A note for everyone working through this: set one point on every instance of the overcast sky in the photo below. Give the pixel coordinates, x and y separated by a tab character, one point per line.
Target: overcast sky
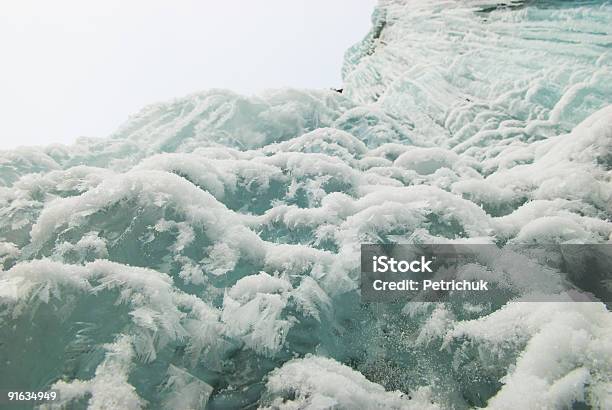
79	68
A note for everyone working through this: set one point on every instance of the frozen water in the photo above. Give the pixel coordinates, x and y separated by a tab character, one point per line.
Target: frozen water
207	253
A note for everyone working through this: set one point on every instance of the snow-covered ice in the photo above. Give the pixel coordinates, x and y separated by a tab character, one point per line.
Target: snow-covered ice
207	253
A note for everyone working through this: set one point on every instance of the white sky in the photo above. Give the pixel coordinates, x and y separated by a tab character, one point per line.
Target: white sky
79	68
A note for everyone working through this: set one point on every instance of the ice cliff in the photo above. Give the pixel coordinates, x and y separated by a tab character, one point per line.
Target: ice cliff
207	253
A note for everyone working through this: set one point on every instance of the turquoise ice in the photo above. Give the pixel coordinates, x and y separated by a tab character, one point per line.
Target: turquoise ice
207	253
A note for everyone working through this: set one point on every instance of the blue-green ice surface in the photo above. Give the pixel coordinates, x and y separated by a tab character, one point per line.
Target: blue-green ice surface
206	255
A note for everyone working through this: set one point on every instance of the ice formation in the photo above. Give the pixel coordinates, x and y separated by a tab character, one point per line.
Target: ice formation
207	253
